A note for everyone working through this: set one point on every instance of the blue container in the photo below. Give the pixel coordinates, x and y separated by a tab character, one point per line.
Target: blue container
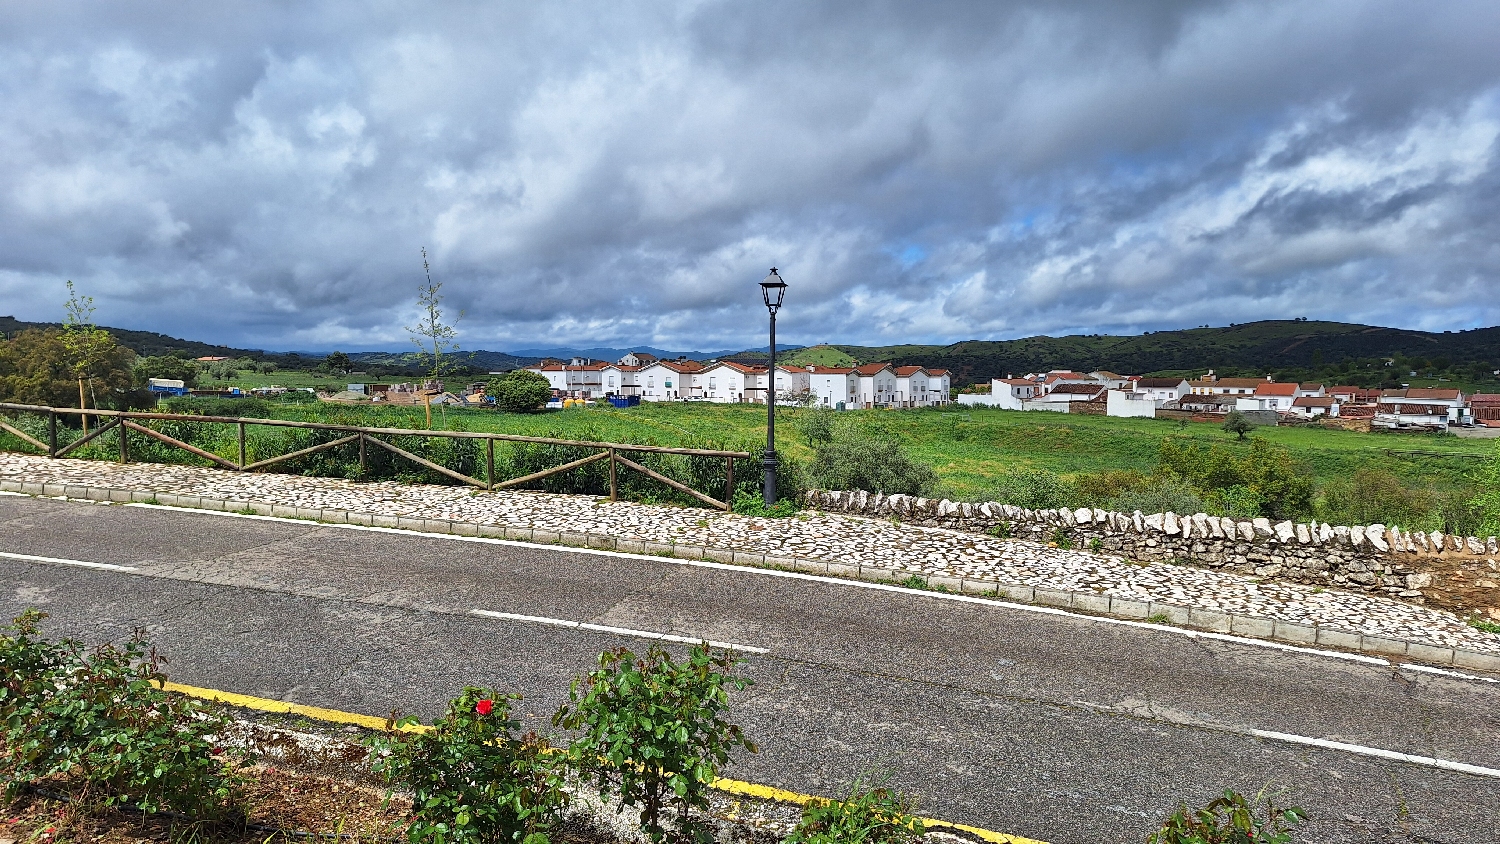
625	401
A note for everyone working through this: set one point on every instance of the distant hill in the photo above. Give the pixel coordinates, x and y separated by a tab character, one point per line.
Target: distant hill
145	343
1261	346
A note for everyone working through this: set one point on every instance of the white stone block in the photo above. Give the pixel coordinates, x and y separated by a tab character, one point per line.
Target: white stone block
1375	535
1475	546
1083	516
1285	532
1262	526
1356	535
1325	533
1247	531
1155	521
1216	527
1303	536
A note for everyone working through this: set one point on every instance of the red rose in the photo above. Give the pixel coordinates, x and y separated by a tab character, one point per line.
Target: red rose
484	707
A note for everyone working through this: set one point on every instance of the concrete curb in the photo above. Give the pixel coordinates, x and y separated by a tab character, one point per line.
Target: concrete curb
1082	602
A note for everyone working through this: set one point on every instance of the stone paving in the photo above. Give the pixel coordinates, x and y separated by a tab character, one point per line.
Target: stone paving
834	538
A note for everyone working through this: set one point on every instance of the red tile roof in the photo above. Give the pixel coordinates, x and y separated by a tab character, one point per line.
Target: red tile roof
1273	389
871	368
830	370
1313	401
907	371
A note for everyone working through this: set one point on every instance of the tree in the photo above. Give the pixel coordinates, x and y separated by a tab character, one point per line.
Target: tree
89	347
816	426
338	362
171	368
433	337
1236	423
34	369
520	391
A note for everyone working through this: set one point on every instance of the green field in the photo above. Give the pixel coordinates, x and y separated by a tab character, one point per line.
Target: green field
970	449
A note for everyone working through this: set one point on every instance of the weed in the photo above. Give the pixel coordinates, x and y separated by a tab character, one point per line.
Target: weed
1159	618
152	500
245	511
1000	531
1096	544
1061	539
915	582
701	523
869	814
1486	626
1230	819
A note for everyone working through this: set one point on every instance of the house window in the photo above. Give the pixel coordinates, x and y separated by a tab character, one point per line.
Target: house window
611	380
713	383
650	380
667	383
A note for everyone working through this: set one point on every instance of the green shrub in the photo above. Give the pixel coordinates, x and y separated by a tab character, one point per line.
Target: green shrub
99	717
1487	500
520	391
866	816
877	464
1162	494
1036	489
1229	819
1061	539
816	426
754	504
654	731
1098	489
473	780
1283	488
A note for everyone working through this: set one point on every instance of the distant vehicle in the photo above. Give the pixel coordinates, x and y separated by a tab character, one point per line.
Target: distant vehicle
167	387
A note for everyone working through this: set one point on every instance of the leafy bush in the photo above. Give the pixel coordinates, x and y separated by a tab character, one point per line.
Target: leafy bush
1160	495
1229	819
1283	488
877	464
867	816
1098	489
1487	499
473	780
754	504
654	731
100	716
520	391
1036	489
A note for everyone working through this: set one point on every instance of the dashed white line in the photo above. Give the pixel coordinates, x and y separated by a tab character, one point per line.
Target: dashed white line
32	558
619	631
1428	761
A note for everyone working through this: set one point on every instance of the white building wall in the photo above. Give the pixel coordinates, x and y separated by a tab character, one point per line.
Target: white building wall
1126	404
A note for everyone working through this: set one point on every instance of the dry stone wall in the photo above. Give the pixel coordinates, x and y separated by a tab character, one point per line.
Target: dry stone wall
1370	558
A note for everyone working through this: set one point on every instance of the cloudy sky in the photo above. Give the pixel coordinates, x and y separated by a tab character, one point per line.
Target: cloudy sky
625	173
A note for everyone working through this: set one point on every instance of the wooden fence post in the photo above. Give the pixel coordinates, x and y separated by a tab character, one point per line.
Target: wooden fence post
489	463
362	470
729	481
52	434
124	441
614	492
242	446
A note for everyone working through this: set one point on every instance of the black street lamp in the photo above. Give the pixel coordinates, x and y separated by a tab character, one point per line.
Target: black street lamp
772	291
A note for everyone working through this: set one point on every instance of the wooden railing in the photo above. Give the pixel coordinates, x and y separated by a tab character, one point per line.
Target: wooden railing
127	422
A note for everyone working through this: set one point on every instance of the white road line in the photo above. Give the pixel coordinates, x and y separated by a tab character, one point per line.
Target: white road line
1428	761
621	631
1427	669
815	578
31	558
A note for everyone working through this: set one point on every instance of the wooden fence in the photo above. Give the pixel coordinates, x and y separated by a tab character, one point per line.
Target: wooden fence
127	422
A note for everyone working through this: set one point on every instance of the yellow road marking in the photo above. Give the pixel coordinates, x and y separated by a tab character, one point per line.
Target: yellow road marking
728	786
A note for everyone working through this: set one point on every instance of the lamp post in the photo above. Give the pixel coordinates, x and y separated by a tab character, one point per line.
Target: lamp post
772	291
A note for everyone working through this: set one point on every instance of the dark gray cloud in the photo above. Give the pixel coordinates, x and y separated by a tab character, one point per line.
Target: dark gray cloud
616	173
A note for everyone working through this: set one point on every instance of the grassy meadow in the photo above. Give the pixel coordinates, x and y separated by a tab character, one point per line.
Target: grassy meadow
969	449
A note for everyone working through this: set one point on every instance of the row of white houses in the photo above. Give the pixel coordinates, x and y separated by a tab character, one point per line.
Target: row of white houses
871	385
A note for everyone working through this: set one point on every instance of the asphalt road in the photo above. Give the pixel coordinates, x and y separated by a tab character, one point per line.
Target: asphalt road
1056	727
